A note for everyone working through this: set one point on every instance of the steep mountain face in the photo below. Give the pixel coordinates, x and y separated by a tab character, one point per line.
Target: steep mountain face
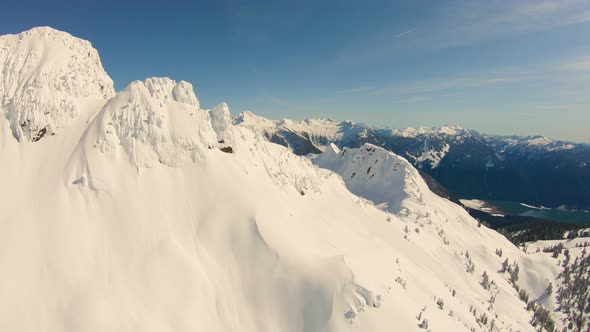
46	75
136	216
534	170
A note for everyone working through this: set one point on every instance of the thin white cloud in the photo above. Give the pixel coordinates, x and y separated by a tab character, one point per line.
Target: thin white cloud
496	80
561	107
579	64
436	85
532	9
582	16
404	33
466	22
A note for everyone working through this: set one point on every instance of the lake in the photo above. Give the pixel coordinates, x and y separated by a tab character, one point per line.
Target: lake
518	209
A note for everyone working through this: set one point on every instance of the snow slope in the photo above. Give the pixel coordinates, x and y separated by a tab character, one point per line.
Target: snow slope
45	73
395	186
136	218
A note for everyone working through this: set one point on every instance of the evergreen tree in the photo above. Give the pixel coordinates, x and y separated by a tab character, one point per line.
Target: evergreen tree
514	273
485	280
504	265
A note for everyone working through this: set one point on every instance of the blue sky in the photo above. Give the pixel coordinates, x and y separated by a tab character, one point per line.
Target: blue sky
506	67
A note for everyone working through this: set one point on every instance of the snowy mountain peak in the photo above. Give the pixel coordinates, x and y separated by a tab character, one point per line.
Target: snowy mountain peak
44	73
376	174
44	30
249	118
155	120
539	140
183	93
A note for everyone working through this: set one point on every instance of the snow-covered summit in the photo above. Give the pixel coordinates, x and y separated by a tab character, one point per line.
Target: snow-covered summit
249	119
45	72
155	121
539	140
376	174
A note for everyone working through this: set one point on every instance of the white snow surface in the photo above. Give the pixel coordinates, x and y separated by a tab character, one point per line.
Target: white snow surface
375	174
222	123
45	73
132	219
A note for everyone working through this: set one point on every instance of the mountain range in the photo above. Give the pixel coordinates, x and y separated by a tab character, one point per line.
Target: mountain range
533	169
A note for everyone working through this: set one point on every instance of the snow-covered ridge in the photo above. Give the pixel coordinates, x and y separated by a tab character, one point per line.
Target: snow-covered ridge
250	120
305	136
317	127
155	121
533	143
449	130
376	174
44	74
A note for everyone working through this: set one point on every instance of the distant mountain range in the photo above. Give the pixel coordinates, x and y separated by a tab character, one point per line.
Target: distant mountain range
531	169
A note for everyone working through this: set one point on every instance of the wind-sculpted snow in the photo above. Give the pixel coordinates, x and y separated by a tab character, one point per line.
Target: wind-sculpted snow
222	123
155	121
182	92
44	74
